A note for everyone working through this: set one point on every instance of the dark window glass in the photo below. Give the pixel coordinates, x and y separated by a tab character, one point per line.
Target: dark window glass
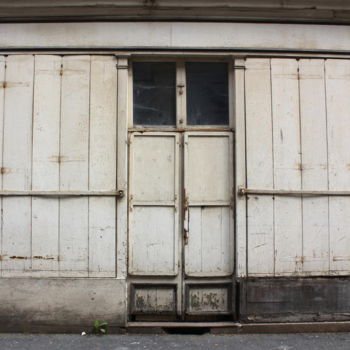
207	93
154	93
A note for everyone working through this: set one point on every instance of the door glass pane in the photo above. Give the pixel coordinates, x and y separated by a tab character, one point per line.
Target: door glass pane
154	93
207	93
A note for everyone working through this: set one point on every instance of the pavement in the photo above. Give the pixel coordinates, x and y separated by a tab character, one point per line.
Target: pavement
329	341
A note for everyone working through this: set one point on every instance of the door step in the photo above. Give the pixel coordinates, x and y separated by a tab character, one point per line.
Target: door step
182	324
242	328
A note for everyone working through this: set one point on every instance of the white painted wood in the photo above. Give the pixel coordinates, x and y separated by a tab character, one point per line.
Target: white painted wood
208	182
304	243
74	154
314	165
287	165
122	166
153	202
208	157
102	166
153	169
152	236
17	159
338	121
181	94
240	169
2	107
210	249
46	144
259	166
175	35
301	224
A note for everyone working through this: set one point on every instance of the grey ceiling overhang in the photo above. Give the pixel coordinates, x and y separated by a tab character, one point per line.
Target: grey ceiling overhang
297	11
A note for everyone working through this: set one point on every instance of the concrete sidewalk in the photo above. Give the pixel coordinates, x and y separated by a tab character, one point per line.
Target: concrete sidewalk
323	341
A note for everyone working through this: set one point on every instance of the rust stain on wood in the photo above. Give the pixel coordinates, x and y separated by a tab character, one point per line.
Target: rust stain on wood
36	257
299	259
47	257
6	84
57	159
341	258
4	170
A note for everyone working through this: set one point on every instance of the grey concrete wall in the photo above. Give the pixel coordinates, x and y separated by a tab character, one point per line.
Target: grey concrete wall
175	35
65	303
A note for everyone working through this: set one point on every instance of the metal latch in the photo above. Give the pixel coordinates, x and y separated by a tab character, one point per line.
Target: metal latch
186	219
181	88
117	194
186	236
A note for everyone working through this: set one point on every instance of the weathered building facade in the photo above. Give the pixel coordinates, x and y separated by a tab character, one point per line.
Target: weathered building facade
170	162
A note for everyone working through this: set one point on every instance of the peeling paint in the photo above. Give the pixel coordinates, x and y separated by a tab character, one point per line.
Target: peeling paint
195	301
47	257
57	159
15	84
300	166
140	303
3	257
208	300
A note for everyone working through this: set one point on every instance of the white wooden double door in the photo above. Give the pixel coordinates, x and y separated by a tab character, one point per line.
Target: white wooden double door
181	253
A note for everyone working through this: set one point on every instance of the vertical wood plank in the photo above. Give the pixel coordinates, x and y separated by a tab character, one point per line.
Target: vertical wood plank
2	107
46	140
195	247
259	167
287	165
207	254
240	170
338	121
17	158
314	165
103	158
122	166
74	167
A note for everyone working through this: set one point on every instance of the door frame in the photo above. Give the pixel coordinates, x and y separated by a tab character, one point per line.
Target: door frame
181	128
